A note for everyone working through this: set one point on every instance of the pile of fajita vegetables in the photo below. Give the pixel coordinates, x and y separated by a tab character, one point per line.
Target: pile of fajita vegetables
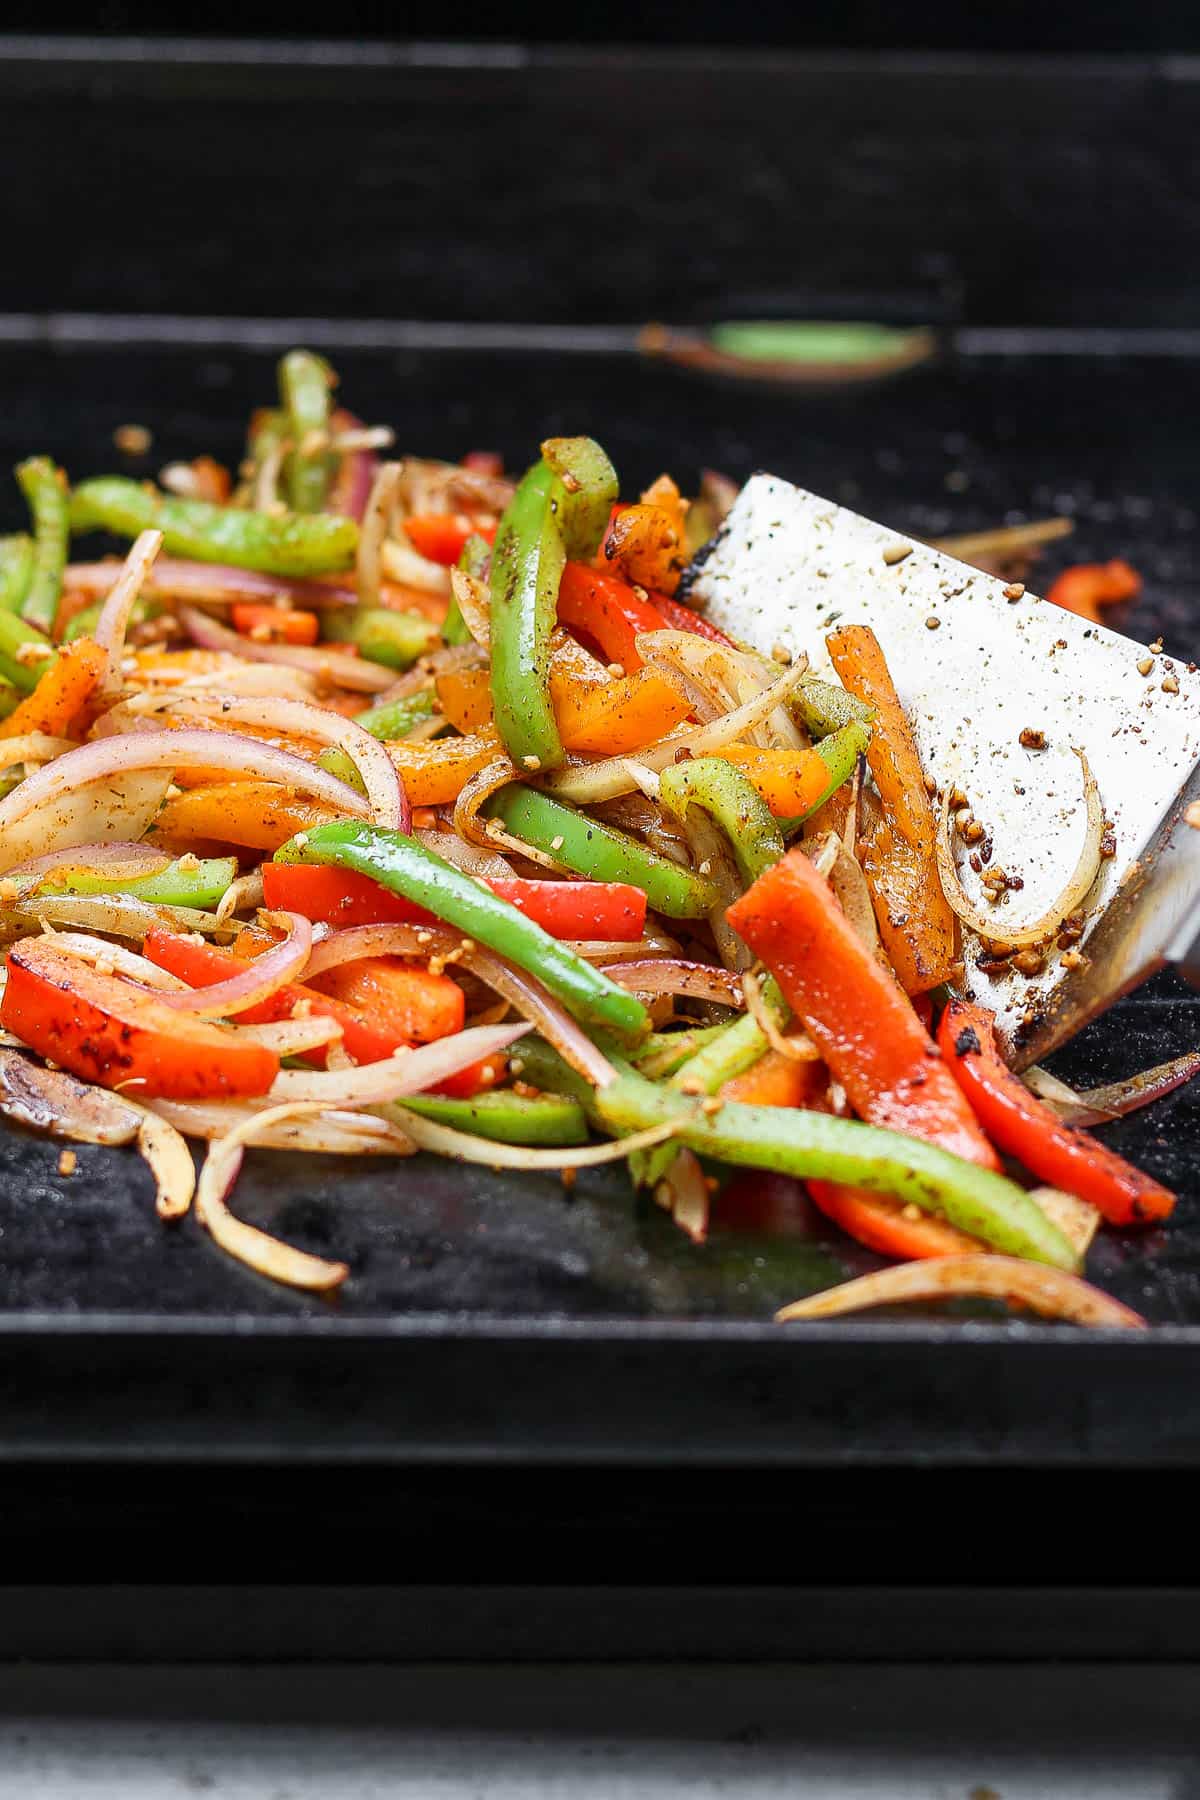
375	806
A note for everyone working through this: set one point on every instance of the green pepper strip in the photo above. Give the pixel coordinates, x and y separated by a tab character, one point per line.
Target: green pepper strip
591	487
528	559
404	866
600	852
176	885
16	570
16	636
10	699
839	752
389	722
506	1117
743	815
825	708
304	384
381	634
287	544
475	558
45	489
818	1146
665	1051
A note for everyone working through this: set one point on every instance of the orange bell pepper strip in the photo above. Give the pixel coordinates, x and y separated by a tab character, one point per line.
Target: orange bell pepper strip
1057	1153
257	815
109	1031
436	772
268	624
646	544
465	697
918	928
776	1080
862	1023
607	611
1085	587
62	692
790	781
439	537
618	716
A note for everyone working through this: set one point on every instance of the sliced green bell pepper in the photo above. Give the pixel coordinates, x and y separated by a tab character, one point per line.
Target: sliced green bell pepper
274	544
16	570
381	634
508	1118
45	489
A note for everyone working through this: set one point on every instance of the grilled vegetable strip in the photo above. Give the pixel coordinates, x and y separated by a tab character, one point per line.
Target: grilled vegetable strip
816	1145
506	1117
189	881
16	570
527	566
724	792
45	489
287	544
67	683
608	611
404	866
794	783
1060	1154
304	385
824	708
25	652
590	484
864	1027
473	561
600	852
383	635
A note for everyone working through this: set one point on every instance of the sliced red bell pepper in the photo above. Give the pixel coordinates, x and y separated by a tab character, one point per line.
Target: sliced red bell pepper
1057	1153
275	624
422	1006
606	610
106	1030
1085	587
484	462
685	618
610	910
867	1032
888	1226
439	537
364	1038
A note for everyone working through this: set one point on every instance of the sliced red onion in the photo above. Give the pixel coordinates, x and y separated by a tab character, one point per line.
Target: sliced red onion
1051	1292
291	1037
114	614
170	1162
388	800
264	977
279	1262
114	959
212	584
32	747
409	1073
51	1100
356	473
337	667
376	519
671	975
176	750
533	1001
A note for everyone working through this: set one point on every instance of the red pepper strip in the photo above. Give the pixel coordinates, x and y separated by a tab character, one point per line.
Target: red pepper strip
484	462
867	1032
883	1224
1086	587
1057	1153
683	618
612	910
108	1031
439	537
275	624
420	1005
364	1037
608	611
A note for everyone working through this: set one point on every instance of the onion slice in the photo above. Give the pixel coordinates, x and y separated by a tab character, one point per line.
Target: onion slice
336	667
587	783
464	1146
113	622
673	975
799	1047
32	747
170	1162
1072	897
475	605
114	959
409	1073
53	1101
115	862
175	750
113	913
265	975
683	1192
328	1132
266	1255
298	718
1051	1292
291	1037
376	517
1096	1106
211	584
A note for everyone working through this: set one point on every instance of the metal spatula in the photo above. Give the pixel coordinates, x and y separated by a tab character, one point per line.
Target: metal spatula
977	663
